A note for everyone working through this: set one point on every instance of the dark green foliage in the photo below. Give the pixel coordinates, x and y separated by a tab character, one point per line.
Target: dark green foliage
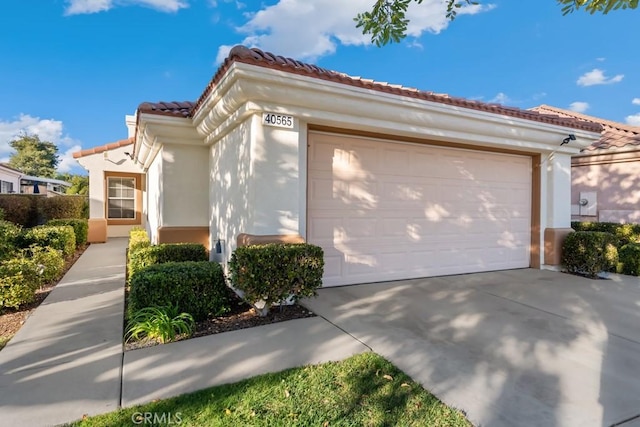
9	232
59	237
167	252
19	280
21	209
197	288
274	272
629	256
589	253
80	228
624	233
61	207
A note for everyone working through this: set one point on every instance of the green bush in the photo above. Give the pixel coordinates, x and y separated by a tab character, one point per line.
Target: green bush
138	238
59	207
624	233
59	237
197	288
274	272
629	256
20	208
1	214
50	261
589	253
80	228
166	252
18	282
9	232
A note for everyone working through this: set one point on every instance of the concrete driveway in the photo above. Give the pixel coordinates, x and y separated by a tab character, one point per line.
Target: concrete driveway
510	348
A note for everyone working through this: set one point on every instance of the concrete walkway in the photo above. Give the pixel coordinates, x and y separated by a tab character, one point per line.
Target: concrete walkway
510	348
67	360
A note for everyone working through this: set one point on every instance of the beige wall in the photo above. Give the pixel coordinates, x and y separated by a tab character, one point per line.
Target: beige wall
616	180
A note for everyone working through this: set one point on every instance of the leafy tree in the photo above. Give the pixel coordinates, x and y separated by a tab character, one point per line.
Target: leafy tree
386	22
34	157
79	183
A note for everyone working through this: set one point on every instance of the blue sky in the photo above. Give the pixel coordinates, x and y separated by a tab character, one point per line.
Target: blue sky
70	70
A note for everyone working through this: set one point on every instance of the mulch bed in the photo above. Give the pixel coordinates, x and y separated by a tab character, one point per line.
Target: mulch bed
241	316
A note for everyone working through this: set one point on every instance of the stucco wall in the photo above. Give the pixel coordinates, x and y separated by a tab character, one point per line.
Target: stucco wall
185	175
154	198
12	177
617	186
230	189
112	161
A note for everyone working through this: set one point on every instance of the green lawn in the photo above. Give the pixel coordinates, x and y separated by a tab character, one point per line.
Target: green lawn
364	390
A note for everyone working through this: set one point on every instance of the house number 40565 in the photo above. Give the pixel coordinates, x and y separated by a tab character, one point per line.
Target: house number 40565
277	120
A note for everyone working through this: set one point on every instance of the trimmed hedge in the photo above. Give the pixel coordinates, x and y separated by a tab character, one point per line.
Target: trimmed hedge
589	253
21	209
61	207
275	272
59	237
50	261
18	282
9	232
629	256
624	233
138	238
197	288
167	252
80	228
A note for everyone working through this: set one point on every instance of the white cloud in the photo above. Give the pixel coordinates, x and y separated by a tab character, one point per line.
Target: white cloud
597	77
633	120
579	106
328	23
77	7
635	101
500	98
47	129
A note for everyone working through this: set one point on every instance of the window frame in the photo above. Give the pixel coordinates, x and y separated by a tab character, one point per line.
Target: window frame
133	198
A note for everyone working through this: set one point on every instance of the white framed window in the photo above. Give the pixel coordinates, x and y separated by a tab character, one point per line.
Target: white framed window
6	187
121	192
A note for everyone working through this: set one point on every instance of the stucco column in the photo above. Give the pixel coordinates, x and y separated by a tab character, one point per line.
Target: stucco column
558	218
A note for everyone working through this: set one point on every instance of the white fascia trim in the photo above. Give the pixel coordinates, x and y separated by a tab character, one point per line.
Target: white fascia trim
329	103
154	130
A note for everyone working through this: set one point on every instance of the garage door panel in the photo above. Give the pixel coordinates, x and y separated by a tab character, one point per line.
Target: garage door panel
385	210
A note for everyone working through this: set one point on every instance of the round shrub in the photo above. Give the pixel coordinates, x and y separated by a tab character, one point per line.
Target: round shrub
80	228
59	237
629	256
589	253
166	252
9	232
197	288
50	261
275	272
18	282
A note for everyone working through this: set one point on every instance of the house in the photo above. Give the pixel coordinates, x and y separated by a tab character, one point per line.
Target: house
605	176
38	185
9	179
392	182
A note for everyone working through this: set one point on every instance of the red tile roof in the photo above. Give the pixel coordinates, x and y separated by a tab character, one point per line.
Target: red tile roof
268	60
103	148
180	109
614	135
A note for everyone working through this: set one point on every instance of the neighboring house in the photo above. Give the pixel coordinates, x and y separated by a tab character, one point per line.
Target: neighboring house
391	182
9	179
39	185
605	175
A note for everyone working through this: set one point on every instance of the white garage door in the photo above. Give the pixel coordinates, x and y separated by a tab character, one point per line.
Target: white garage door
385	210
